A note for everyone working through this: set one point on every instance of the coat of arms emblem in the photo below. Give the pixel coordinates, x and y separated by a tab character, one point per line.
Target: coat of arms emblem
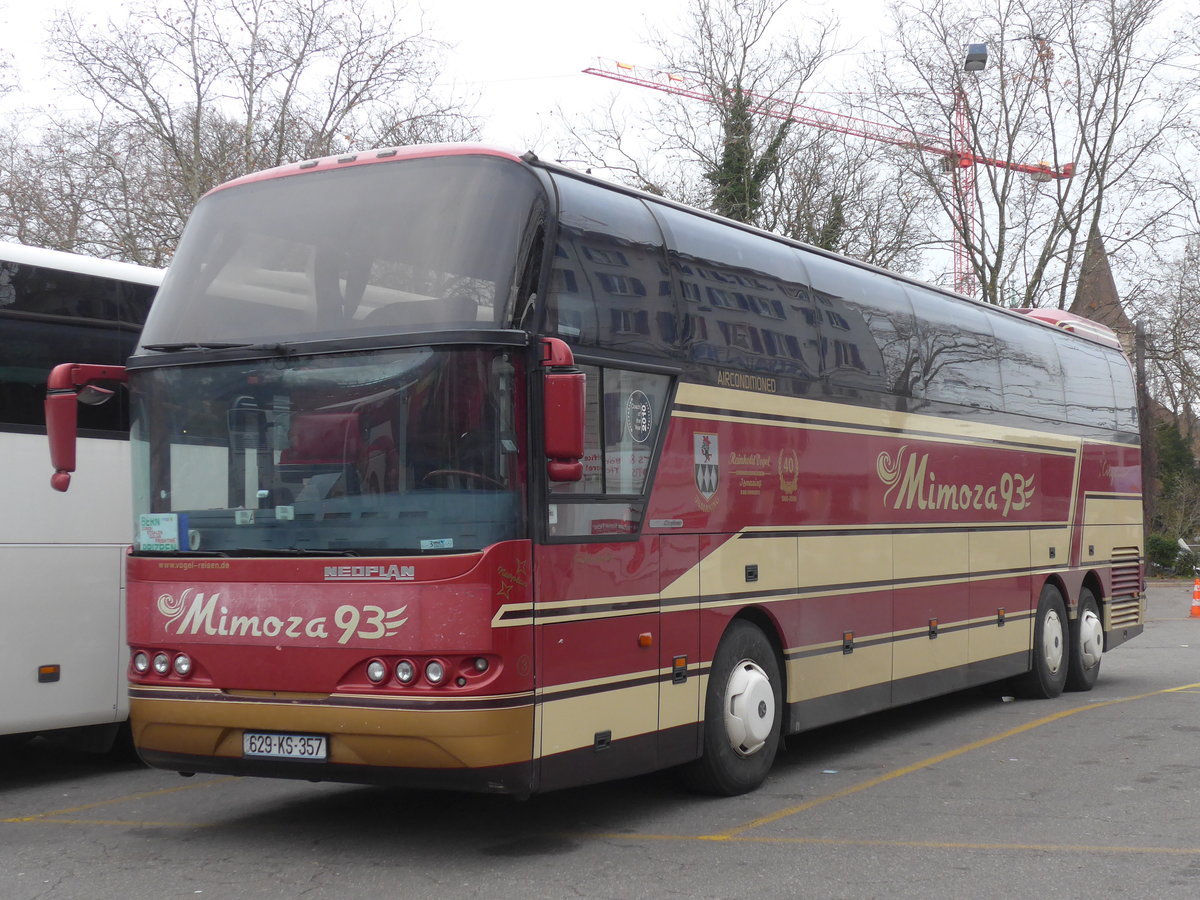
708	465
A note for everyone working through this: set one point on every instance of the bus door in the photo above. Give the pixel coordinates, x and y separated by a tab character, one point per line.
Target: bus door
597	589
680	685
597	621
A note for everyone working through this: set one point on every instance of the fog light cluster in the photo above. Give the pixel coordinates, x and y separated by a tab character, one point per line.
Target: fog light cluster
431	672
161	663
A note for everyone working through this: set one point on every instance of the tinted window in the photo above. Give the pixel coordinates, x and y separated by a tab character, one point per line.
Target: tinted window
388	451
608	284
49	317
390	247
745	299
868	336
1125	393
958	353
1087	383
1029	368
625	414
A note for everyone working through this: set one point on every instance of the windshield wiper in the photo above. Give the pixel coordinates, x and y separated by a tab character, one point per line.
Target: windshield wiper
193	345
289	551
181	553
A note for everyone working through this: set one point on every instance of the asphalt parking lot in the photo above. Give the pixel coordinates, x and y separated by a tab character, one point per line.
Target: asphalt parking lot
974	795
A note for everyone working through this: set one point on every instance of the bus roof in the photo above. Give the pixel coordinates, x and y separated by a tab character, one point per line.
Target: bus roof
76	262
1072	324
368	157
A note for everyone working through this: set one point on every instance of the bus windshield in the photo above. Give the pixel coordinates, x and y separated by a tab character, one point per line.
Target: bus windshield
354	251
391	452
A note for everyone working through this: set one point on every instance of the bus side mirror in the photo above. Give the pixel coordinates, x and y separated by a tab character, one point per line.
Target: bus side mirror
564	398
69	385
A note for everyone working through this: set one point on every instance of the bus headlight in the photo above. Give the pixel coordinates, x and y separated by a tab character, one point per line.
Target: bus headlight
183	665
405	671
162	664
481	664
376	671
141	663
434	672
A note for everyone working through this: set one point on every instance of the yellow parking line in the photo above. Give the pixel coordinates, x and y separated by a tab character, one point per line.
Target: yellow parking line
932	761
121	822
927	845
55	813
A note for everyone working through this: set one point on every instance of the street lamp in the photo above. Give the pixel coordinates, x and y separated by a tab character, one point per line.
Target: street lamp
976	59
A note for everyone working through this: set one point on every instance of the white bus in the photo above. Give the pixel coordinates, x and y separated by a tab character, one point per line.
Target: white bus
62	611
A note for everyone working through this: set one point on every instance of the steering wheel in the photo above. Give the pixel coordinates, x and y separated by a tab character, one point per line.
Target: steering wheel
463	473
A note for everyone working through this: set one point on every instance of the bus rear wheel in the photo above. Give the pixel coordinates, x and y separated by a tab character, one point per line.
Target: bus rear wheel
1048	676
1087	644
743	712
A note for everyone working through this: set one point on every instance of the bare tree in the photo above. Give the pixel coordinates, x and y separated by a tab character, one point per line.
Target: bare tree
731	50
1082	88
190	93
1169	312
768	170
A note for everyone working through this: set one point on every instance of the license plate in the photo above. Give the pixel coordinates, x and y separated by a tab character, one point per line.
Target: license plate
283	746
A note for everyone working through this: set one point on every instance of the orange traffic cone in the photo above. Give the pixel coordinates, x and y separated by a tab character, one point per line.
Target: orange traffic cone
1196	599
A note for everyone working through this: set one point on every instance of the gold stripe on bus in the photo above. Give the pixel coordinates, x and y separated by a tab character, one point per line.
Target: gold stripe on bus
1111	510
849	418
723	571
595	601
609	680
572	723
810	677
1073	508
880	560
919	657
987	640
1033	442
683	703
993	551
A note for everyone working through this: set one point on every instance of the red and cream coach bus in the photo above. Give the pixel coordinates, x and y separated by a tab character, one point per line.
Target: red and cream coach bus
455	468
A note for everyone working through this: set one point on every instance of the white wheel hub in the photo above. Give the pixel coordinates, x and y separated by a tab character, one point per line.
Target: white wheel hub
749	708
1091	639
1052	641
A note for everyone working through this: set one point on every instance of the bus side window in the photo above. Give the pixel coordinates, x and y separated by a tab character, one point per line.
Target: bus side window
868	335
745	304
51	316
1125	394
605	284
1030	370
1088	384
958	353
624	417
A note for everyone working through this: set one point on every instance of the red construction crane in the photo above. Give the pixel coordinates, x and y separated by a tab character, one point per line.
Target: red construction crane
957	157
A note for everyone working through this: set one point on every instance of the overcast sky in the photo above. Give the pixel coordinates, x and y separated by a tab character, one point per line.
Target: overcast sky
522	60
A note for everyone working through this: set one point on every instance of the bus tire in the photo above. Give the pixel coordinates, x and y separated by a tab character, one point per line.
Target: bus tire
743	712
1087	644
1051	639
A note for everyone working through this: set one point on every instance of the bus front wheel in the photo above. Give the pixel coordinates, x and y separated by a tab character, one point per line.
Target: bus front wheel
743	711
1051	653
1087	644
